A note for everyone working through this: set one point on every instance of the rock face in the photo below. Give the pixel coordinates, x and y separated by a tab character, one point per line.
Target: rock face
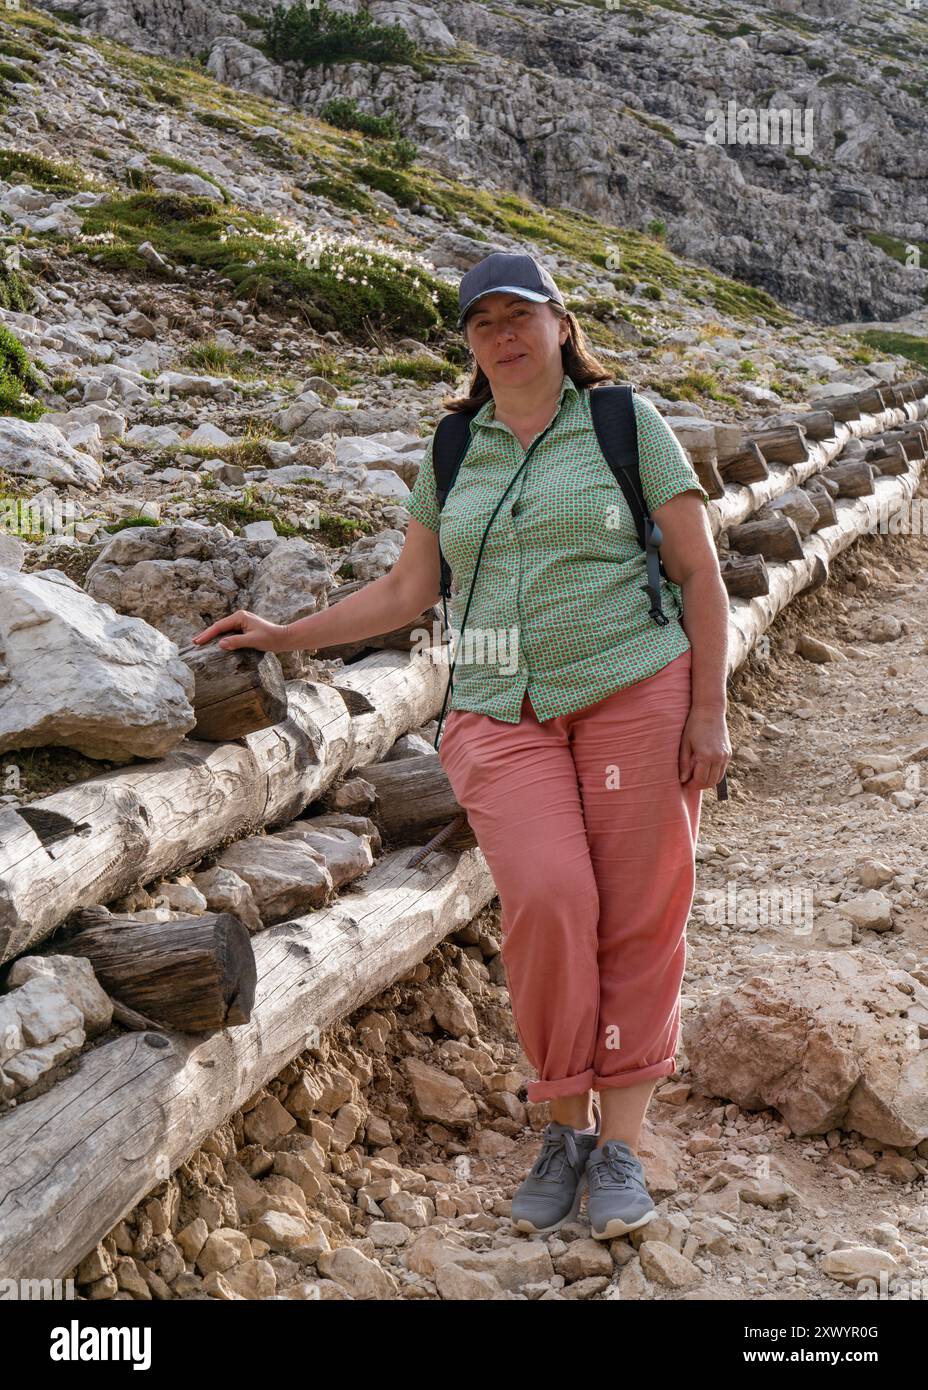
181	578
608	112
829	1040
75	672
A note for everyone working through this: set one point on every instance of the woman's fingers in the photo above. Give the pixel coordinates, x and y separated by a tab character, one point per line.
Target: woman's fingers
233	622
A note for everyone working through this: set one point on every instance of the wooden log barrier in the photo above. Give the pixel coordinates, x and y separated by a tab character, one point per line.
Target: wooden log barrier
75	1160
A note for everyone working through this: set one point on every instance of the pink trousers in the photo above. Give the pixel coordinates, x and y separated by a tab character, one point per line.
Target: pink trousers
590	837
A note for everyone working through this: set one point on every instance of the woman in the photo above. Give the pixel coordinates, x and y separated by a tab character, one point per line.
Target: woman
585	799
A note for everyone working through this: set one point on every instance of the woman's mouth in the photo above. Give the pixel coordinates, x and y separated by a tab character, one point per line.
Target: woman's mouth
516	357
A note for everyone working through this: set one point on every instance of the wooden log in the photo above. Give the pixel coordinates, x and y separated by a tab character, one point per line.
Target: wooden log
776	538
193	973
710	477
747	466
744	576
797	505
890	460
402	639
236	693
95	840
414	800
872	400
823	502
77	1159
819	576
843	408
784	444
817	424
854	477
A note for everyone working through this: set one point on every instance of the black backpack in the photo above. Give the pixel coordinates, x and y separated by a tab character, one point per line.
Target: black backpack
613	412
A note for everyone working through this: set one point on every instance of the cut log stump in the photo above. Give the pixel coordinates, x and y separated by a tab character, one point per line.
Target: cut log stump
191	974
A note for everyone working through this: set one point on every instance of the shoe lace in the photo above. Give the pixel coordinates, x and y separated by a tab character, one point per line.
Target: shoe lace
557	1144
615	1170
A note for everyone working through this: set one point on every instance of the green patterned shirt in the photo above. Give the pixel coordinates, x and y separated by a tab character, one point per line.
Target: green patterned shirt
557	608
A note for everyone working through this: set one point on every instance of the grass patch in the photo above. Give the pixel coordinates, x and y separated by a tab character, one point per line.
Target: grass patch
15	290
342	192
893	247
215	360
344	114
390	181
905	344
47	174
125	522
414	368
18	380
182	166
694	387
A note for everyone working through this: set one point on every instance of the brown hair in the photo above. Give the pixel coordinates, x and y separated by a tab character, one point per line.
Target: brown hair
579	364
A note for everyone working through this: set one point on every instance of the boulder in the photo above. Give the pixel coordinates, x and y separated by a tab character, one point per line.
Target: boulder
39	450
827	1038
132	697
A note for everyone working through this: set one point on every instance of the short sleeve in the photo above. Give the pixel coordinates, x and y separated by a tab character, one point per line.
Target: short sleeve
422	502
664	467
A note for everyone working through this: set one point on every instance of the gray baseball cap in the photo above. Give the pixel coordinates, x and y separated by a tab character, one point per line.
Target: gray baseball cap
504	270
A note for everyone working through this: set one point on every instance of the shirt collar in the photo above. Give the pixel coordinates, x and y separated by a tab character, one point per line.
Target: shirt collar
486	415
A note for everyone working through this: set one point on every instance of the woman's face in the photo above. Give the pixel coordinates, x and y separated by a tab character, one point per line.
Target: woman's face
514	340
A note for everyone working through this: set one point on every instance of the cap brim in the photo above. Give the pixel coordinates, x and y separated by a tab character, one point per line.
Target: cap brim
499	289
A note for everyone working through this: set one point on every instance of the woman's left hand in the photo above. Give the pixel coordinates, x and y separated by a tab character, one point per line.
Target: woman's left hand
705	750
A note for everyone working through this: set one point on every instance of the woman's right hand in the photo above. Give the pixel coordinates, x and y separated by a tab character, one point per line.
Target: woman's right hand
248	631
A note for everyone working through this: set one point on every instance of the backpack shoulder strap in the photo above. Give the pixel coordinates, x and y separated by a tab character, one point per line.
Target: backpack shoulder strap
452	437
613	412
451	442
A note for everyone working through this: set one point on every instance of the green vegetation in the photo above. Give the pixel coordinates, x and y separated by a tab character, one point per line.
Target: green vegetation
181	166
692	387
342	192
125	522
18	381
895	248
11	72
389	181
15	290
47	174
322	35
213	359
415	368
235	513
344	113
906	344
14	48
652	123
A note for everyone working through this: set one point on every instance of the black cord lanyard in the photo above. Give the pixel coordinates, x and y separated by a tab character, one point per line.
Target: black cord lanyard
528	454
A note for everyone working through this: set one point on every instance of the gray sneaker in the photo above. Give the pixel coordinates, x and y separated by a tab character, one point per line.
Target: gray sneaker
553	1190
619	1201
